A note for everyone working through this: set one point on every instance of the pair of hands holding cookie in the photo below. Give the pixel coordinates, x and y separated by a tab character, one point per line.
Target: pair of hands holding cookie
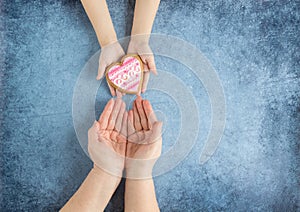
141	53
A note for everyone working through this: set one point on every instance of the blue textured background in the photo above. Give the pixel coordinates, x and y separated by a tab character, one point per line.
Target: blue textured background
253	45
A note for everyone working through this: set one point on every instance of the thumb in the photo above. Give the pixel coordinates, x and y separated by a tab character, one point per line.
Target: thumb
144	58
101	70
93	131
151	64
96	126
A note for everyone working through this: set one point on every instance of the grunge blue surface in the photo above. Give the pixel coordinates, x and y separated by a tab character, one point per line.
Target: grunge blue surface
254	47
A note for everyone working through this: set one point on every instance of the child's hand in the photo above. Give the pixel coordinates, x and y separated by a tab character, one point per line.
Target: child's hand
144	141
109	54
107	138
144	51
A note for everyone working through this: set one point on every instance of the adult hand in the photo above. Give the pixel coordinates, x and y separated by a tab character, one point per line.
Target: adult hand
107	138
109	54
141	47
144	141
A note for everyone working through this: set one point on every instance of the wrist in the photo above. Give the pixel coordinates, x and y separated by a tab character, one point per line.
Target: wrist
107	40
138	181
106	160
138	169
140	39
104	176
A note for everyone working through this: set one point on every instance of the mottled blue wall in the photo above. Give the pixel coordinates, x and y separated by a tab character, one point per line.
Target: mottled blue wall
254	47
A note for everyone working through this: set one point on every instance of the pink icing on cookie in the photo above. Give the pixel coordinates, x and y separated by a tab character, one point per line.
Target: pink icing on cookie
127	76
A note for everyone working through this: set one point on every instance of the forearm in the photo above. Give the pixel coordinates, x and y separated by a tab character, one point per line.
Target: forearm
140	195
144	15
94	193
99	16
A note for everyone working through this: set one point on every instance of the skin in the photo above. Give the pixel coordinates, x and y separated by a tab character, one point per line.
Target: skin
144	145
111	50
110	54
136	135
144	132
107	145
144	15
99	16
94	193
108	137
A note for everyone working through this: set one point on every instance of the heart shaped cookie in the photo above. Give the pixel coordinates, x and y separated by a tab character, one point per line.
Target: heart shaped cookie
127	75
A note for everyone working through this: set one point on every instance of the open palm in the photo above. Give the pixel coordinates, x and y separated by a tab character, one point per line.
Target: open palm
144	141
107	138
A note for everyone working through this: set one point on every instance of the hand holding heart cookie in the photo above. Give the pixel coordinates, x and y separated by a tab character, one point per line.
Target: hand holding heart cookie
127	75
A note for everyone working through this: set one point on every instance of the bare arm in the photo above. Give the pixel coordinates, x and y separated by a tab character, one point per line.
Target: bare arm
99	16
140	195
144	14
111	50
106	146
94	193
144	145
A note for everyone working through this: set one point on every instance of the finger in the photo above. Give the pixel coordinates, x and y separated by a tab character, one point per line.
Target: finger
114	114
103	120
101	70
144	58
123	131
146	72
151	64
151	117
119	94
141	113
130	125
112	89
139	92
145	67
113	136
119	120
136	119
145	81
122	136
